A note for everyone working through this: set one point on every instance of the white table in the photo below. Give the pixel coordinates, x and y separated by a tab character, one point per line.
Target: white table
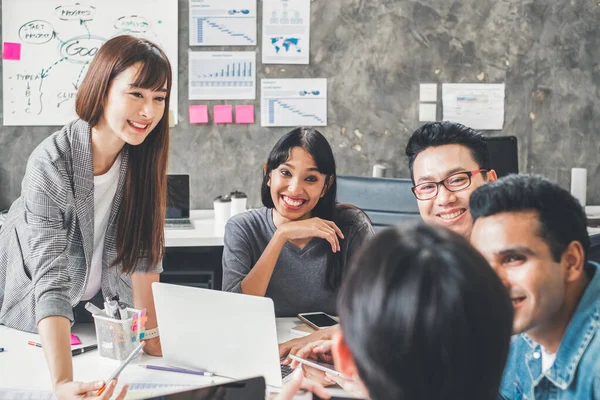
24	367
206	233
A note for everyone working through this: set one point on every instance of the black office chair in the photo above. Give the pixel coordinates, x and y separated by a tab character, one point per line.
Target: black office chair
385	200
594	252
504	154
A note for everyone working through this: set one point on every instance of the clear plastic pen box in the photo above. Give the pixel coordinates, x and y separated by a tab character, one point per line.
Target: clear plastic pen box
117	338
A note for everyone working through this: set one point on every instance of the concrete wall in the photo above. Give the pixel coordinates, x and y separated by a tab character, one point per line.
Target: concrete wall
374	54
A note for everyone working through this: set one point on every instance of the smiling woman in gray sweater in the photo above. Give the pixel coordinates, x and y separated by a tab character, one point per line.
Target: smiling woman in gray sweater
295	248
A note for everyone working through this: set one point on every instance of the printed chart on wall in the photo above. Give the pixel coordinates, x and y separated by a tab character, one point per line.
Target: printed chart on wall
477	105
293	102
286	32
51	43
222	75
222	22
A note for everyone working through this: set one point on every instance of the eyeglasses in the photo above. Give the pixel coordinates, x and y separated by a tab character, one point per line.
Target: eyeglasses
454	183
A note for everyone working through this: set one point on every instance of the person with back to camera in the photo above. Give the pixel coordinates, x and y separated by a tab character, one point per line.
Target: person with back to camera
295	248
422	316
90	220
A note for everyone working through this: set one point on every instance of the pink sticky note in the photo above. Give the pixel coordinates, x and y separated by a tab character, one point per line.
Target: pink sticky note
222	114
75	340
244	114
11	51
199	114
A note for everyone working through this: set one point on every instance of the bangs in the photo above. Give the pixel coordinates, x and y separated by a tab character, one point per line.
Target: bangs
282	155
319	152
154	73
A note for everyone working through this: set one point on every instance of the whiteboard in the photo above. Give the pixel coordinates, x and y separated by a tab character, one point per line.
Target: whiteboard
58	39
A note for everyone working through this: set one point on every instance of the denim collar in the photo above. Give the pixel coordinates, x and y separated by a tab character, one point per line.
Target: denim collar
582	327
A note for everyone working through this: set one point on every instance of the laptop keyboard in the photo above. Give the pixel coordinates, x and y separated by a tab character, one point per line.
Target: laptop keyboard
178	222
286	370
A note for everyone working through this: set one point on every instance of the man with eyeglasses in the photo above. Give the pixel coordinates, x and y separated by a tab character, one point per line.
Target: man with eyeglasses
447	162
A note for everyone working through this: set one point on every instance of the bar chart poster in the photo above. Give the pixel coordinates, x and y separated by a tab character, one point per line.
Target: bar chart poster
222	75
222	22
293	102
286	32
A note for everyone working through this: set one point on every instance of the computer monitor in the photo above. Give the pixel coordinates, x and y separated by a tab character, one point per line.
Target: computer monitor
504	154
178	196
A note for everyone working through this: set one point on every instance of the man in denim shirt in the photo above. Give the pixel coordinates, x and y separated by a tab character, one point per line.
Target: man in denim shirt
533	233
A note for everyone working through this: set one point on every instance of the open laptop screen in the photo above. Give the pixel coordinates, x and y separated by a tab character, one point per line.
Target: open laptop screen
178	196
504	154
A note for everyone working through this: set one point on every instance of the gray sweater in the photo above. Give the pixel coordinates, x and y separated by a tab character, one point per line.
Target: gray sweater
298	283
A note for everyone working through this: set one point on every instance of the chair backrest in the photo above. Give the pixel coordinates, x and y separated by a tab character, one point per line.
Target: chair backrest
504	154
594	252
385	200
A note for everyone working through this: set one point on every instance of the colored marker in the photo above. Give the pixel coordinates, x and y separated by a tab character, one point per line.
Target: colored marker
1	349
34	344
82	350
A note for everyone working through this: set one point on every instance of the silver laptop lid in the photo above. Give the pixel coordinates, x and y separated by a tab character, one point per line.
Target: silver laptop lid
229	334
178	196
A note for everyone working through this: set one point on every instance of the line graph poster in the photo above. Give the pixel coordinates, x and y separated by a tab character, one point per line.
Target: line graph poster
222	75
58	40
222	22
293	102
286	32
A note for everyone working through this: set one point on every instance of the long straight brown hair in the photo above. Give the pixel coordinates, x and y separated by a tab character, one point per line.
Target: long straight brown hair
141	218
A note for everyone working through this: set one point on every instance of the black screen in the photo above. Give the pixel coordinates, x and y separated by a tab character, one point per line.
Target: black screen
320	319
178	196
247	389
504	154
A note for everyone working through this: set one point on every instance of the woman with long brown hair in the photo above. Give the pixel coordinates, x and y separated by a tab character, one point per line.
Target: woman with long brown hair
89	222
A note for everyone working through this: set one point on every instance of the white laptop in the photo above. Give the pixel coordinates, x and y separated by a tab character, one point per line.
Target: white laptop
228	334
178	202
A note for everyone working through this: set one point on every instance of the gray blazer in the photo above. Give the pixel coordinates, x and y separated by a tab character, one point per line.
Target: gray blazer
47	239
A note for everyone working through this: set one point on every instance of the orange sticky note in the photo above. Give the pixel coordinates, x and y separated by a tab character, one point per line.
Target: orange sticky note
11	51
199	114
222	114
244	114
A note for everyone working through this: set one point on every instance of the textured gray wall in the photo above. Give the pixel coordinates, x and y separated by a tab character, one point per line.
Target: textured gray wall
375	53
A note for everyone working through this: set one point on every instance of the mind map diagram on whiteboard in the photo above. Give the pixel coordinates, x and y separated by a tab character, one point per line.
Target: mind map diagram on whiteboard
58	40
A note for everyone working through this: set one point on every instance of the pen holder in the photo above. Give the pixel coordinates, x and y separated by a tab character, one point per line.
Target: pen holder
118	337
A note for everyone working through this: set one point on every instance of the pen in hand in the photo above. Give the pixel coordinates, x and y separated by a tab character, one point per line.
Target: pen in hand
121	367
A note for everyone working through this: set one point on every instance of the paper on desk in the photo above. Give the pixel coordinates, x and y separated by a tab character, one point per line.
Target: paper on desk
476	105
8	394
136	391
139	394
